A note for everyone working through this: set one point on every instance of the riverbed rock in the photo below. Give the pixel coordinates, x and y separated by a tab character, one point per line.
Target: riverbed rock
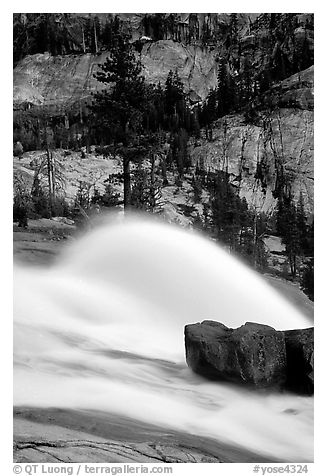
253	354
52	435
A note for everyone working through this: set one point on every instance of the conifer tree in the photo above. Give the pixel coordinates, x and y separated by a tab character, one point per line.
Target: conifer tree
288	230
225	90
174	97
119	108
302	227
307	274
39	198
234	27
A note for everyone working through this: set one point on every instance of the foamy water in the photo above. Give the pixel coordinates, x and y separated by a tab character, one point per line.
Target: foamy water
103	329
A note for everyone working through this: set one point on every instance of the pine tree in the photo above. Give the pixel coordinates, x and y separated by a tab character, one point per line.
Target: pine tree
154	117
228	218
110	198
302	227
308	272
22	201
226	90
39	199
224	208
234	27
179	151
174	99
288	230
119	109
212	106
294	230
141	190
195	124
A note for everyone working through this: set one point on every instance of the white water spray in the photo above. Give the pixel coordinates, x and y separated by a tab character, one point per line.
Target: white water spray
103	329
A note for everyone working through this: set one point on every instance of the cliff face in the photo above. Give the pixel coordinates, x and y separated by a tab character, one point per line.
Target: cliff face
261	47
265	46
197	66
252	152
60	81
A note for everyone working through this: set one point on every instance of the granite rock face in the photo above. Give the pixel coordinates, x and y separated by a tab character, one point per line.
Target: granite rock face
282	132
62	81
55	81
294	92
284	136
253	354
197	66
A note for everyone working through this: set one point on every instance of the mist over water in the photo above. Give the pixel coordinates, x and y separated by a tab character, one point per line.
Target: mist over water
103	330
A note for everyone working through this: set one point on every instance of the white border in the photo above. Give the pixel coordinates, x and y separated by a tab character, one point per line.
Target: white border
320	194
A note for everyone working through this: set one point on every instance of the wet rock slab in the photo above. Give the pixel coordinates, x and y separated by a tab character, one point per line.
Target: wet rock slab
70	436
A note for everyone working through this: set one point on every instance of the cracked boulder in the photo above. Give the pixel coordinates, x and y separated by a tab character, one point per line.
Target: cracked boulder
253	354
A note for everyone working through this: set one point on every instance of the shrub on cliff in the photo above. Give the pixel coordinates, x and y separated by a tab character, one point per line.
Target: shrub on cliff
18	149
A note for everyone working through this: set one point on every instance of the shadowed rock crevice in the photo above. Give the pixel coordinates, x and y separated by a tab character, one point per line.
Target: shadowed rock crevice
300	360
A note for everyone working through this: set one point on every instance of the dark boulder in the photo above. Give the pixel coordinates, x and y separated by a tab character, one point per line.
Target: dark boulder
300	365
252	354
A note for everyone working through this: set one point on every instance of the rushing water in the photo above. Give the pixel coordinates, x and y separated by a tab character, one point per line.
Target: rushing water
103	329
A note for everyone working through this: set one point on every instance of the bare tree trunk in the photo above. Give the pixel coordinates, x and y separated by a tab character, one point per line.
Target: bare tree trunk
152	183
127	173
38	140
127	183
50	180
164	169
293	265
53	173
84	49
255	237
80	113
95	39
225	145
88	147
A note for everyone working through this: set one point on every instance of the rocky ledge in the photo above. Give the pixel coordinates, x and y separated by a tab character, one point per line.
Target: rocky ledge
46	435
253	354
80	450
